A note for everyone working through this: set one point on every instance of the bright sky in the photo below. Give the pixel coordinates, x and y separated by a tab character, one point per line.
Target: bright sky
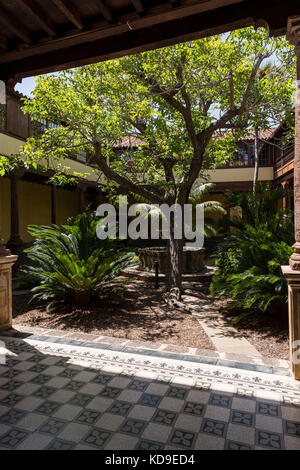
26	87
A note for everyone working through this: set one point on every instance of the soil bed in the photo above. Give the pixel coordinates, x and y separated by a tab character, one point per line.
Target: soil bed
134	311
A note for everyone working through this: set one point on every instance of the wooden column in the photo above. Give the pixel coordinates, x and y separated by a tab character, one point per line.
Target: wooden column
293	35
81	188
292	272
53	205
15	243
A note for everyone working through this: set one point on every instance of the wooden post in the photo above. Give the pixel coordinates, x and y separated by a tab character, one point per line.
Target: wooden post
81	187
15	242
292	272
53	205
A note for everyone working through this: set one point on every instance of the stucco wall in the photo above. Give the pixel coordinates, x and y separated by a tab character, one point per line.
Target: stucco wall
240	174
34	206
66	204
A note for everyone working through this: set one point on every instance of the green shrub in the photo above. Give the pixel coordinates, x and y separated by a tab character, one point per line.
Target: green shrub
69	262
249	260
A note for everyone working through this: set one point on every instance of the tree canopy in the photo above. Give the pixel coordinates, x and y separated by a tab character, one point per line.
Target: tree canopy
175	101
182	104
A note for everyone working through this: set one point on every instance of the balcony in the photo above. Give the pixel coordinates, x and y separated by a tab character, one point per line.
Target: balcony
244	158
285	164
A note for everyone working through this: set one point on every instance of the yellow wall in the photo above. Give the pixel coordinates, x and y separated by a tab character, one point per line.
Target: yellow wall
34	206
11	145
240	174
66	204
4	208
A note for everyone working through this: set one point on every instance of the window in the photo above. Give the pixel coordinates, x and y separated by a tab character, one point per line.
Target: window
81	156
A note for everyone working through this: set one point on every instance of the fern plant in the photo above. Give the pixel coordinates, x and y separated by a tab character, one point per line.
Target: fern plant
249	260
69	262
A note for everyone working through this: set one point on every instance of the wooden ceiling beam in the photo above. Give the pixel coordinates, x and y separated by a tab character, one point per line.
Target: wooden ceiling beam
138	5
3	41
38	15
13	25
105	11
174	3
70	12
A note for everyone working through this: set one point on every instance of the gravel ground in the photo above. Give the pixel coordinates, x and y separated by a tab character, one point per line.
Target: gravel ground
267	333
137	312
134	311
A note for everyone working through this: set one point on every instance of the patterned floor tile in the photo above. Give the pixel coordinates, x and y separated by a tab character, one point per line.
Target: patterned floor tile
48	407
11	385
120	408
97	437
41	379
44	392
133	426
176	392
270	409
11	399
149	445
182	438
60	444
242	417
74	385
138	385
80	399
13	438
53	426
232	445
216	428
217	399
12	416
69	373
157	432
88	417
195	409
110	392
102	379
38	368
292	428
149	399
110	422
268	439
65	397
164	417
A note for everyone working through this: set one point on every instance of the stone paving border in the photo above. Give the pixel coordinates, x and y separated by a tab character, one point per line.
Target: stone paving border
201	356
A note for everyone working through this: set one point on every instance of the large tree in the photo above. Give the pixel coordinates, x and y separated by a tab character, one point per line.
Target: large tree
177	100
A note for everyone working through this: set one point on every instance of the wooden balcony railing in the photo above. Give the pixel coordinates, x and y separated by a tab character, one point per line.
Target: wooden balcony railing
284	164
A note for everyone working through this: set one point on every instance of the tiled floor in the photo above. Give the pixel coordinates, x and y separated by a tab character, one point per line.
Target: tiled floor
55	394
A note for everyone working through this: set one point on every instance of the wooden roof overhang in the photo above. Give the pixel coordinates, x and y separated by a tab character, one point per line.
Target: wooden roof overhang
40	36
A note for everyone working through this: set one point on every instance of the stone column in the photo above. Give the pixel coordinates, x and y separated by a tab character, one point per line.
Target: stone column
292	272
6	262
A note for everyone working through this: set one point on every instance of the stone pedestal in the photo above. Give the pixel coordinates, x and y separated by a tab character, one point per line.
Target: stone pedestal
293	278
6	263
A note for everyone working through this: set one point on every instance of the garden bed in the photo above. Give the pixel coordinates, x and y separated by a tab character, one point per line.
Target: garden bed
135	311
267	333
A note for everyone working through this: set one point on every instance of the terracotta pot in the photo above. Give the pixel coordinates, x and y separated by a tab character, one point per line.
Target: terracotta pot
82	297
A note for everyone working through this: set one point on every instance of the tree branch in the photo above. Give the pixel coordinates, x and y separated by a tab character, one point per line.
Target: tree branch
122	180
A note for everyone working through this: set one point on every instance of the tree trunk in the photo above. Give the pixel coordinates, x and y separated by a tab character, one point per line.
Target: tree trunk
174	253
256	161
